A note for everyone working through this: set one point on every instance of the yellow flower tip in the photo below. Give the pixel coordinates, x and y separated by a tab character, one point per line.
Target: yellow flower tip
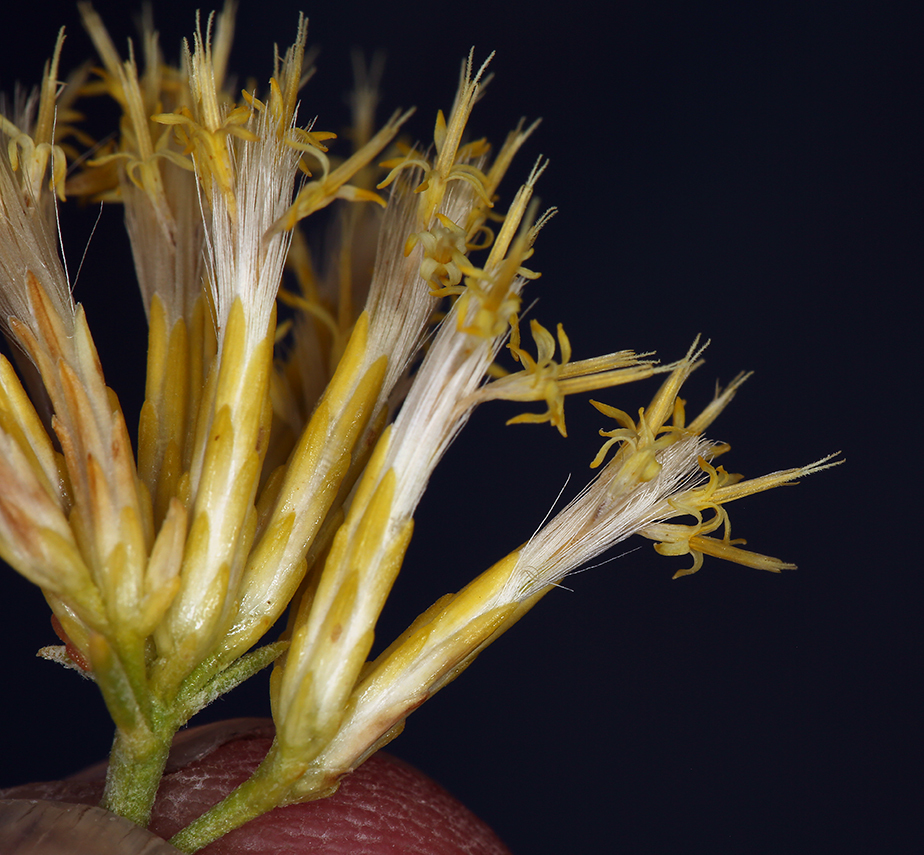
652	427
662	405
513	343
396	165
35	149
444	261
439	131
538	381
687	571
360	194
333	185
638	437
829	461
730	491
720	488
721	399
728	550
451	159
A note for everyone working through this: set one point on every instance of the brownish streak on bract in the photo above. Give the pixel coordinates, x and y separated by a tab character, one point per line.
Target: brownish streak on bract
72	651
20	524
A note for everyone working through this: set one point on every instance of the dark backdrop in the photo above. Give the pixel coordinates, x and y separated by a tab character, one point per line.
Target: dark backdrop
746	171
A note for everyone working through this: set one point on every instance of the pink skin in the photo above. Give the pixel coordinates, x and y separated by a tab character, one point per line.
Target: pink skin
383	808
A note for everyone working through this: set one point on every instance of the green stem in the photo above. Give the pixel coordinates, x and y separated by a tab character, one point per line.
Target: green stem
260	793
136	765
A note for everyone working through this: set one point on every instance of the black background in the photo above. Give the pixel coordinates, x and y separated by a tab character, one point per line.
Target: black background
749	172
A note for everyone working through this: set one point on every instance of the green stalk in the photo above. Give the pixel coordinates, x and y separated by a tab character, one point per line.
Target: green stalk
263	791
136	765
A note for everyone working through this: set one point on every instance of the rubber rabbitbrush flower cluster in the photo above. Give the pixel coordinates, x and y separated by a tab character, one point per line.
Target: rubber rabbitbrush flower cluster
280	464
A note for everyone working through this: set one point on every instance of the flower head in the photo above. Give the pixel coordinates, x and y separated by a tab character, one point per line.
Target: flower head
280	464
